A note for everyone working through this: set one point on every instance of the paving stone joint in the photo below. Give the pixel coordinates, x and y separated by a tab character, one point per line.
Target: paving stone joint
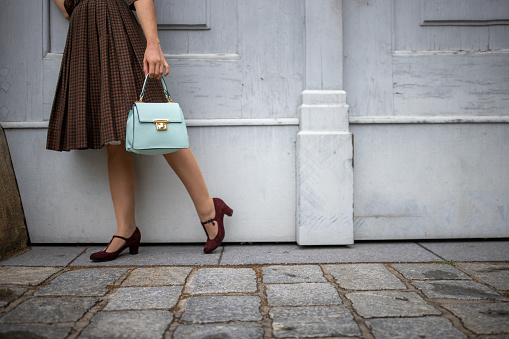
291	297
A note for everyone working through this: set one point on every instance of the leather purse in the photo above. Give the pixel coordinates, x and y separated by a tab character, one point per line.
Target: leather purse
156	128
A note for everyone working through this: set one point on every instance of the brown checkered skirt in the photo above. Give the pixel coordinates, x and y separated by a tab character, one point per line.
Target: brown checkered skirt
100	77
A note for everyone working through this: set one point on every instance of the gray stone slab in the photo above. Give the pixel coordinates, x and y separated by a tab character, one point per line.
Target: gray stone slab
429	272
223	280
34	332
414	328
390	304
128	324
219	331
157	276
280	274
297	322
457	289
9	293
25	275
144	298
365	277
45	256
210	309
169	255
49	310
294	254
309	294
82	282
476	250
496	275
486	318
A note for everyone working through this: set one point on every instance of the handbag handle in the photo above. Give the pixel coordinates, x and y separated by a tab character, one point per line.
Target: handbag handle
166	93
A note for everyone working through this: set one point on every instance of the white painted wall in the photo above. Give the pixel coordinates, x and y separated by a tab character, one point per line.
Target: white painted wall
66	195
427	99
416	181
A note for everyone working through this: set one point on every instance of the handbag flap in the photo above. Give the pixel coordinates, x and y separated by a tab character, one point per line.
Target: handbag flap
150	111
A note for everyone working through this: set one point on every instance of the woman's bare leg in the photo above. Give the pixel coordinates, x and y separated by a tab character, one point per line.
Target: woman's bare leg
185	166
122	180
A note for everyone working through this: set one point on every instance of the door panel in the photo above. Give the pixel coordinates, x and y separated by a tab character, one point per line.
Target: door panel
416	72
368	56
395	65
240	60
461	84
449	25
463	12
443	63
230	59
189	14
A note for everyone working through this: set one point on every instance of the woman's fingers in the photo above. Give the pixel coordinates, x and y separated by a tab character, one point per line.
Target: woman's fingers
167	68
145	66
152	70
155	62
155	69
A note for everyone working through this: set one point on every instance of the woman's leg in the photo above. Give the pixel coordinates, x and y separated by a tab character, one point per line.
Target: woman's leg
122	185
185	166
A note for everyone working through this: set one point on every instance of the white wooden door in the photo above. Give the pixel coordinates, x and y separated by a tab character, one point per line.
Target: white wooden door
236	68
427	83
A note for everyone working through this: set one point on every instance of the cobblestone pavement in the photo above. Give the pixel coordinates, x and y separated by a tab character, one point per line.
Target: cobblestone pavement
457	289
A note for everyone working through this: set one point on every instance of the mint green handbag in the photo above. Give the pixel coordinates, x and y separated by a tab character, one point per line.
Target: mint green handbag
156	128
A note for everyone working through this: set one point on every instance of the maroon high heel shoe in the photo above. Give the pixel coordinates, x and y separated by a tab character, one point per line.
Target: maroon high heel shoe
221	209
133	242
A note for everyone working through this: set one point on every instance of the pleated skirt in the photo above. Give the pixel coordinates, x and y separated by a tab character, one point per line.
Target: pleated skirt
100	77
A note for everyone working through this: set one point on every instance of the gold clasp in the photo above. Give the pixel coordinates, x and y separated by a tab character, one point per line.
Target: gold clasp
161	124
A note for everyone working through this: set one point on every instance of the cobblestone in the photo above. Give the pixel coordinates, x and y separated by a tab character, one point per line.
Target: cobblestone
241	330
9	294
414	328
49	310
313	322
83	282
311	294
139	298
135	324
429	272
390	304
34	332
483	318
292	274
224	280
365	277
157	276
210	309
367	290
496	275
25	275
465	290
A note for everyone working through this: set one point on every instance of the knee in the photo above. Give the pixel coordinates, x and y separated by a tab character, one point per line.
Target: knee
116	151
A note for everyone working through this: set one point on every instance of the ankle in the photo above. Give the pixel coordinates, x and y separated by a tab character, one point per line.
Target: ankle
206	211
125	230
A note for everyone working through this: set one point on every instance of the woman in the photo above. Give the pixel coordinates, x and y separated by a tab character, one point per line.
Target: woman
106	57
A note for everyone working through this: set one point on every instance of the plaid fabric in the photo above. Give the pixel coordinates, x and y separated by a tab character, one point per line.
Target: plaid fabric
101	75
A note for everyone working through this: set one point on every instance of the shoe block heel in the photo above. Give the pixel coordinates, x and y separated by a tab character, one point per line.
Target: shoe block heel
228	211
133	249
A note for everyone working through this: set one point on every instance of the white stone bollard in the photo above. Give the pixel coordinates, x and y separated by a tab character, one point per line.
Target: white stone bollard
324	170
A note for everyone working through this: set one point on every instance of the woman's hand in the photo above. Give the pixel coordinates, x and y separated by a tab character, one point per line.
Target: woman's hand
154	60
60	4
